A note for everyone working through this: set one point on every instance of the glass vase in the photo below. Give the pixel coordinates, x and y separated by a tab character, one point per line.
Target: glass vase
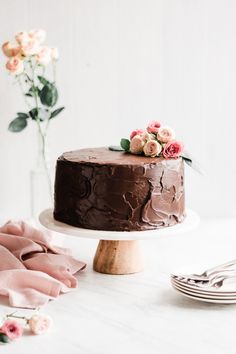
41	195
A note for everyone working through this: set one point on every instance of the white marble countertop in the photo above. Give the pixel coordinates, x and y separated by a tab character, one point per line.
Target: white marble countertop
140	313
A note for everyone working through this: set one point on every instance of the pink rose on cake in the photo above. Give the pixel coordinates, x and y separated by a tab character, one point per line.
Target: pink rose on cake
165	134
153	126
136	132
152	148
136	145
147	137
173	149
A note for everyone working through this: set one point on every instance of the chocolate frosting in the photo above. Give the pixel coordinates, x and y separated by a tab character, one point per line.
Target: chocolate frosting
113	190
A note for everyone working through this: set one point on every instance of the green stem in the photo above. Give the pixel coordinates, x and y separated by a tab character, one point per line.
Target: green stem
11	315
42	134
22	91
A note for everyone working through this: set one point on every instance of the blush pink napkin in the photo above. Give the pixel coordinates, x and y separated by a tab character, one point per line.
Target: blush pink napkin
32	270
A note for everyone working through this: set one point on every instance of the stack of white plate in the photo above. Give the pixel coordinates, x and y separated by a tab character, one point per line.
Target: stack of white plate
225	294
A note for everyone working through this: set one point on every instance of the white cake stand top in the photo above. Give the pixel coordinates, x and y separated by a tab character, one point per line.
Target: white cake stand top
190	222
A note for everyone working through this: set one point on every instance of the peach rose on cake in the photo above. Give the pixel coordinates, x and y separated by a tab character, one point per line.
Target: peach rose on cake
153	126
173	149
136	132
15	65
152	148
10	50
136	145
165	134
146	136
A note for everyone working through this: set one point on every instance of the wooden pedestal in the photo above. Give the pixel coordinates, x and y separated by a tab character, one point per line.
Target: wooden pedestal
118	257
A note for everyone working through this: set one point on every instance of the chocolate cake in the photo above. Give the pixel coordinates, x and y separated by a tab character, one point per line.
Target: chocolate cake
114	190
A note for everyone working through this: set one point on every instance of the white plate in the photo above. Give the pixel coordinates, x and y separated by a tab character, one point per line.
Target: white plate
227	288
190	222
209	294
205	299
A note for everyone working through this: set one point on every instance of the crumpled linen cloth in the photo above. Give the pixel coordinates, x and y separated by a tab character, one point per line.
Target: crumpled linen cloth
32	270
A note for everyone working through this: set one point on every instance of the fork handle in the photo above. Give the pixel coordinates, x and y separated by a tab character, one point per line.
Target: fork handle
222	276
211	271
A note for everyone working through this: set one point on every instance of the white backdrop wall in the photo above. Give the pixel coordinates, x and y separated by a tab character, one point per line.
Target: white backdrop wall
123	63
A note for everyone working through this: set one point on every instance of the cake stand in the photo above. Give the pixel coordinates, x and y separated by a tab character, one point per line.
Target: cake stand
118	252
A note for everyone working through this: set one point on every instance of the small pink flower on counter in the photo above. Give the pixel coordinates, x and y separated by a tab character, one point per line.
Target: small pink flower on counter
153	126
136	132
12	329
15	65
39	323
38	35
152	148
165	134
136	145
173	149
10	50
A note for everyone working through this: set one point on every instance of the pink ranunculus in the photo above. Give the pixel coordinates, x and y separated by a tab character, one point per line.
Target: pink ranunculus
136	145
30	48
22	38
165	134
39	323
136	132
15	65
153	126
173	149
38	35
12	329
54	53
44	56
152	148
10	50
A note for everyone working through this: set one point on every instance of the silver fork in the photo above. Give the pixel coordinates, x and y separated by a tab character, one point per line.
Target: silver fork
204	277
218	280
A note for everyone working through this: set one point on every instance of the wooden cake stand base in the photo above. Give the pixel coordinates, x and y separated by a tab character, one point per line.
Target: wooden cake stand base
118	252
118	257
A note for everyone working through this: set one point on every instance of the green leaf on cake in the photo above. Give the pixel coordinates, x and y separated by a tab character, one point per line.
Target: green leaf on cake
192	163
17	125
125	144
48	95
115	148
56	112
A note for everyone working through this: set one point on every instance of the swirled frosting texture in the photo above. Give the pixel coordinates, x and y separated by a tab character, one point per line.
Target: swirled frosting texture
111	190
